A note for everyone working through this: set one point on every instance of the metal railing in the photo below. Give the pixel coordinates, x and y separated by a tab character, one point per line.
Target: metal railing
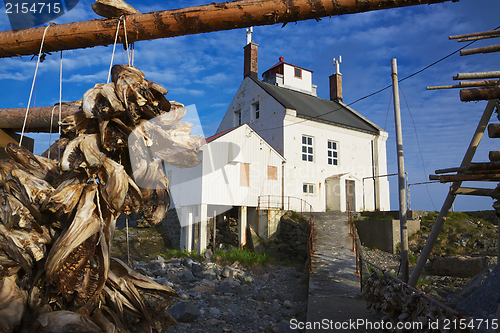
356	246
284	203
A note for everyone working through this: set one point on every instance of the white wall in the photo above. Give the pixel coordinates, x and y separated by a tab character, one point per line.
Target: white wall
354	163
301	84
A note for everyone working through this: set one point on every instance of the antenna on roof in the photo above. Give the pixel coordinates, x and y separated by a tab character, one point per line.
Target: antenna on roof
249	35
337	63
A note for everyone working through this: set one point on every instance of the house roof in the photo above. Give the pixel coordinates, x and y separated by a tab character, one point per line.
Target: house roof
281	62
319	109
218	135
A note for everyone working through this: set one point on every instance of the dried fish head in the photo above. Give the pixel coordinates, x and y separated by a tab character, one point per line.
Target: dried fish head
14	214
78	123
37	165
65	321
113	8
113	184
12	303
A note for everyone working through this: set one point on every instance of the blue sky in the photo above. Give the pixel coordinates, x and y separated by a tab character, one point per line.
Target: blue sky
207	69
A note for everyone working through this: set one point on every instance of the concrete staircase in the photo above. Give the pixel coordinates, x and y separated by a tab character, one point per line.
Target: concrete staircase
334	287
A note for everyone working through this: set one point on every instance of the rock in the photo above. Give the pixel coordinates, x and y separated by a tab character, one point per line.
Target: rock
459	266
208	254
484	301
223	289
276	305
197	269
285	328
247	279
184	312
214	312
227	272
287	304
186	261
185	275
213	322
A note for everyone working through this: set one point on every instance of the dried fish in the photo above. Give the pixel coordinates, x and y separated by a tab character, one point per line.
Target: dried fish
113	8
12	303
59	215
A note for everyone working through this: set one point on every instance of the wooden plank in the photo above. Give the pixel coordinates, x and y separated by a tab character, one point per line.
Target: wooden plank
464	178
39	118
494	156
494	130
484	33
483	192
478	75
480	94
186	21
483	49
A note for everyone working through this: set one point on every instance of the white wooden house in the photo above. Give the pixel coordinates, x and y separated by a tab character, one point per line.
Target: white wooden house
237	167
278	139
334	155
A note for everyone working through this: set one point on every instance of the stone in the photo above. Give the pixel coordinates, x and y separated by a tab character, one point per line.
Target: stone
185	275
213	322
458	266
214	312
208	254
247	279
186	261
197	268
287	304
227	272
285	327
184	312
484	301
223	289
276	305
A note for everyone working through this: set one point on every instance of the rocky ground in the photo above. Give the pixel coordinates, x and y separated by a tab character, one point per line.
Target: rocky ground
217	298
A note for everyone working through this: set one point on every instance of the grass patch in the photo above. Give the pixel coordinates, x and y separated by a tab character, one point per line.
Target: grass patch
246	257
172	253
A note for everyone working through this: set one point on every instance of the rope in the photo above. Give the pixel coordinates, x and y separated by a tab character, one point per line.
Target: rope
126	40
60	93
51	122
128	244
33	85
114	48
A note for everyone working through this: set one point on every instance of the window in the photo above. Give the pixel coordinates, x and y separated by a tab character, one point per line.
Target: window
257	110
307	148
272	172
308	188
333	158
298	73
237	117
244	174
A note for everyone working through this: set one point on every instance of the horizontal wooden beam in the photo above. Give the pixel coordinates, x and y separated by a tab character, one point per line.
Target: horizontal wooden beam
480	94
494	130
38	120
478	75
465	178
186	21
475	34
464	84
483	192
483	49
494	156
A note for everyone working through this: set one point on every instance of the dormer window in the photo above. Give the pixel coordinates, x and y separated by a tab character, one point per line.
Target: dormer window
298	73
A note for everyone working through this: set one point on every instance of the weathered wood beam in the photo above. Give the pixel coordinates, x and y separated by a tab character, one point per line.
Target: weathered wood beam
464	178
470	39
480	94
474	34
494	156
464	84
186	21
39	118
483	192
478	75
494	130
484	49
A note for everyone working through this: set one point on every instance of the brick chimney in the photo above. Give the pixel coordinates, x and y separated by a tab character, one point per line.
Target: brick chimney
250	62
336	87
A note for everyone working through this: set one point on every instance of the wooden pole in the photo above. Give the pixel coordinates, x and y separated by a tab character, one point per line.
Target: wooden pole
186	21
39	117
484	49
479	75
480	94
401	174
215	230
450	198
476	34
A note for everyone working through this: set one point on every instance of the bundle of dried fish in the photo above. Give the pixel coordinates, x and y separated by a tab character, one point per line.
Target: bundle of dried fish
58	214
